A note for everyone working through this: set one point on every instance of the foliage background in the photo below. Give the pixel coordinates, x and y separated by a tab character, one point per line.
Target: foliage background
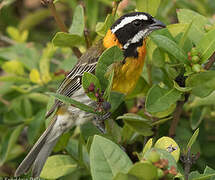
31	66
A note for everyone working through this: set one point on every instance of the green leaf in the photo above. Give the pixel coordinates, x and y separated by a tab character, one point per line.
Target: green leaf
115	100
158	58
202	84
106	156
181	89
197	116
77	26
9	142
87	80
14	67
73	102
14	79
144	171
159	99
63	39
147	146
138	123
38	97
34	126
108	57
171	47
102	28
44	64
196	31
149	6
206	46
164	154
57	166
121	176
192	140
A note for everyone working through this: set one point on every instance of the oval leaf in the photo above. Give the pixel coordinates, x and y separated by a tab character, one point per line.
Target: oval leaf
57	166
107	159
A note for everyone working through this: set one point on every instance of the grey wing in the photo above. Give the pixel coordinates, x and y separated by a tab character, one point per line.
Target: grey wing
72	83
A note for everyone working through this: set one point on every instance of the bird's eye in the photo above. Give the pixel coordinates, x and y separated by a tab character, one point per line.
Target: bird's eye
137	23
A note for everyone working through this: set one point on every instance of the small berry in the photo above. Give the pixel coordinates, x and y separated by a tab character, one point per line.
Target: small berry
154	156
97	94
173	170
164	162
194	52
195	59
91	87
196	68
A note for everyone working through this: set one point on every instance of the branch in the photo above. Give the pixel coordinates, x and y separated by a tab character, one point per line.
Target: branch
179	108
115	6
59	22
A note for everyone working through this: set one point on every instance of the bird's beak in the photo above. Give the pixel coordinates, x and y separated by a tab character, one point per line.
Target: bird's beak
156	25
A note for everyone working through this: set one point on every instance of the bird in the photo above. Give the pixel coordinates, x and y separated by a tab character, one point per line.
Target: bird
129	33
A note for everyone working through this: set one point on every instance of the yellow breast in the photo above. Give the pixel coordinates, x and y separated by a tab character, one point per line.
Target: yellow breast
125	75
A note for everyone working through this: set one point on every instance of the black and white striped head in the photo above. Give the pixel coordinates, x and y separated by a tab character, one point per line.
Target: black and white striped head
132	28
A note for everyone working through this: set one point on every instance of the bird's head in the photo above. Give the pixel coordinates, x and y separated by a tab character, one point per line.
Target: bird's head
129	31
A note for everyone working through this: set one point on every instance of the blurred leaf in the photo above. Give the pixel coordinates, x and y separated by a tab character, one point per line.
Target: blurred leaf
44	64
106	156
77	26
138	123
206	46
34	126
57	166
147	146
195	175
144	171
34	18
14	67
197	116
102	28
87	80
68	63
115	100
9	142
171	47
24	53
159	99
122	176
35	76
62	142
108	57
14	79
28	109
208	100
148	6
38	97
196	31
192	140
158	58
202	84
92	13
17	35
73	102
63	39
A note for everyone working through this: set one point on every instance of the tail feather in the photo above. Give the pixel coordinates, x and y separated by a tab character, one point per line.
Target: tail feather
42	157
35	151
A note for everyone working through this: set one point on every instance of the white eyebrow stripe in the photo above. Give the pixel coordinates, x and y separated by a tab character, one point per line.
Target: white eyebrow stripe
136	38
128	20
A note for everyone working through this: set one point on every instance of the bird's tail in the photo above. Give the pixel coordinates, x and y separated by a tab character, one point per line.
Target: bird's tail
38	155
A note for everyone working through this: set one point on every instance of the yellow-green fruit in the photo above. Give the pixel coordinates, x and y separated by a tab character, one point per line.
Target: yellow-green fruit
169	145
195	59
196	68
154	156
194	52
160	173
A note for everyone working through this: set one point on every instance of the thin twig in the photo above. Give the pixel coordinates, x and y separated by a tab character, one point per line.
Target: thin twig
7	40
210	62
59	22
179	108
115	6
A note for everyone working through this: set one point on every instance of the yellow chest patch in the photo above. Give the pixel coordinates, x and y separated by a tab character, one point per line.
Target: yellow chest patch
125	75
